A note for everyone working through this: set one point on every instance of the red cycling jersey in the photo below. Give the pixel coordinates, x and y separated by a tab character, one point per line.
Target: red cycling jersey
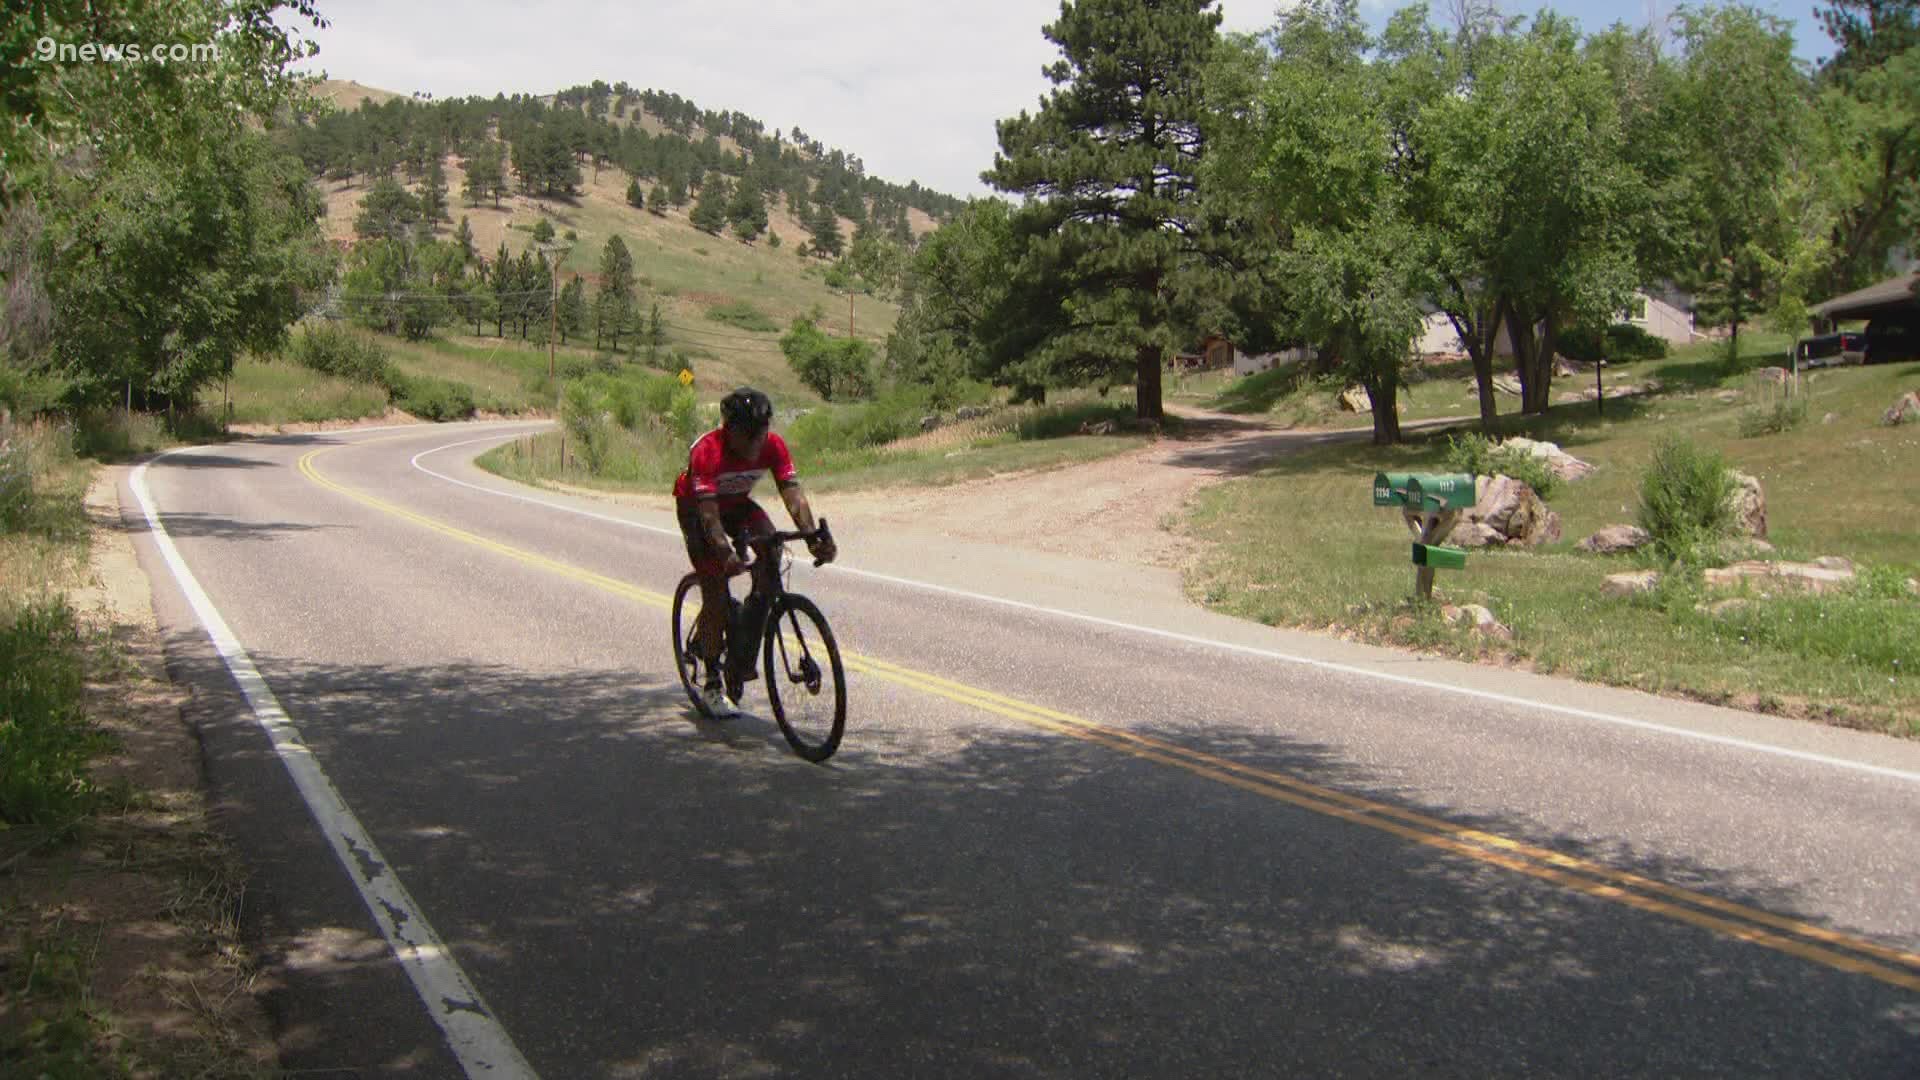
711	472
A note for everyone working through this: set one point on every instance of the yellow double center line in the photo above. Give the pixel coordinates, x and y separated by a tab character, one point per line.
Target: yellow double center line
1845	952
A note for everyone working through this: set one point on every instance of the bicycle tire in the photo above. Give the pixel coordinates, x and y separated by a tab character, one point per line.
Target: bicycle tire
684	659
787	666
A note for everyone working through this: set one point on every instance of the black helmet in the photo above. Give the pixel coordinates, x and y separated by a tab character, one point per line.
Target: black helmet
746	409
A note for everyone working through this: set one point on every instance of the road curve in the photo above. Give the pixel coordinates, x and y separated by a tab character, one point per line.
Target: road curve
1077	827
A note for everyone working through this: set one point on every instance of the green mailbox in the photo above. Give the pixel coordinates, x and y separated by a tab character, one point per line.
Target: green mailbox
1435	492
1390	488
1439	558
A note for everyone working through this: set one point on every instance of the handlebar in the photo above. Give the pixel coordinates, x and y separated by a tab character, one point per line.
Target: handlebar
779	537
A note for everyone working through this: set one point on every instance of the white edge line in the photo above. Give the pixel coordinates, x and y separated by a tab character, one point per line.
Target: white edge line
475	1037
1249	650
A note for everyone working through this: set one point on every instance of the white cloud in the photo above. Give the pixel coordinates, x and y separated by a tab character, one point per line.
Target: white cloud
912	88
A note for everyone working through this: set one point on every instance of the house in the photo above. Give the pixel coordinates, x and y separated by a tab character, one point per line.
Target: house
1217	352
1665	313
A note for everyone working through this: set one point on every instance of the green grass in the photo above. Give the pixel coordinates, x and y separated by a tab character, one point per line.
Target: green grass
282	392
1300	544
1013	440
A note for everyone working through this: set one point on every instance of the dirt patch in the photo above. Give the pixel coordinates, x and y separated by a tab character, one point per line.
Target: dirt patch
1124	508
136	916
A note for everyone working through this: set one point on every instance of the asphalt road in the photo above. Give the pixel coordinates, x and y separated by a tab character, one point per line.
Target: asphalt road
1077	827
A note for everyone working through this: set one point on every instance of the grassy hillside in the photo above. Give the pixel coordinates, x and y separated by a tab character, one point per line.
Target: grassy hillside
689	273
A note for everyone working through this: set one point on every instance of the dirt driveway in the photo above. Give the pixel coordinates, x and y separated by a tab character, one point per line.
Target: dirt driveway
1122	508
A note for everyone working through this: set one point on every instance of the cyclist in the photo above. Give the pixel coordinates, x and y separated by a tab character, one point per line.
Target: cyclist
711	497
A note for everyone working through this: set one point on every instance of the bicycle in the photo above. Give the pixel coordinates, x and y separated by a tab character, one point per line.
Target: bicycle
788	651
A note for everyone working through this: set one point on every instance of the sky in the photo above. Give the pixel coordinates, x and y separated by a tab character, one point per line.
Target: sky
911	87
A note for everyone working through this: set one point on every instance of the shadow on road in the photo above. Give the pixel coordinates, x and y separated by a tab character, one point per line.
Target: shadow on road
639	893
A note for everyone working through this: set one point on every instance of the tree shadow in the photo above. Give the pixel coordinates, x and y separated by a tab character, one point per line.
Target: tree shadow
637	891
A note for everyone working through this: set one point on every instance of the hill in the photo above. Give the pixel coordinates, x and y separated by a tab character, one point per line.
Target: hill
762	285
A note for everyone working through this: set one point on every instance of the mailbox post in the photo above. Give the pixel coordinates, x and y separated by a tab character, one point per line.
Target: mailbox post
1430	503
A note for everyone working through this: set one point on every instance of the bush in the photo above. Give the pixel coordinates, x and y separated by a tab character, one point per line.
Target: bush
16	481
1684	500
430	398
1784	415
743	315
335	350
45	741
582	418
1475	453
1618	344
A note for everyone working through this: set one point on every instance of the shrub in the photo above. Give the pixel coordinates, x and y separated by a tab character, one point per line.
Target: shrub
743	315
1684	500
432	398
582	417
45	741
1475	453
1784	415
1618	344
335	350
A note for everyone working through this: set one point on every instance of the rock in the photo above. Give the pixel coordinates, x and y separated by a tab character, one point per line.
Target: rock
1515	514
1772	577
1834	562
928	423
1828	419
1566	368
1749	501
1907	408
1507	384
1472	534
1355	399
1771	374
1104	427
1615	539
1913	586
1721	607
1482	619
970	412
1640	581
1564	465
1727	397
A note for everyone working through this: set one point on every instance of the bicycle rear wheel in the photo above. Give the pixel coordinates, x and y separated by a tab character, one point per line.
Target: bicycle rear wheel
805	682
692	667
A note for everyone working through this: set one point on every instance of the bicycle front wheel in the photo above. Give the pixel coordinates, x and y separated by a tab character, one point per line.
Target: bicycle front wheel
805	682
686	643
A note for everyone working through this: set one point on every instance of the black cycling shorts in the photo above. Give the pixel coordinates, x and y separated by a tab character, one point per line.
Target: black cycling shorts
741	520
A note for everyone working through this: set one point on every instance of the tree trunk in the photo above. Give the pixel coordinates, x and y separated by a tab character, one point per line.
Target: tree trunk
1481	335
1383	397
1147	387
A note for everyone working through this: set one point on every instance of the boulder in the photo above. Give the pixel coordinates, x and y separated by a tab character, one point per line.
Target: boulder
1355	399
1640	581
1780	577
1749	501
1507	384
1564	465
1482	620
969	412
1834	562
1513	512
928	423
1104	427
1904	410
1727	397
1721	607
1771	374
1472	534
1615	539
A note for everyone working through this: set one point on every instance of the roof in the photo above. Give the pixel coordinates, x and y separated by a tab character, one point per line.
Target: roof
1894	294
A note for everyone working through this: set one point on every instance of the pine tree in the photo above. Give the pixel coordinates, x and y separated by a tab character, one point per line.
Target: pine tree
824	226
747	210
542	231
657	202
387	212
573	308
504	285
613	304
710	210
463	236
433	194
1108	171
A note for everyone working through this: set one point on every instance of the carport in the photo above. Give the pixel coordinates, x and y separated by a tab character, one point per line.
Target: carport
1892	296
